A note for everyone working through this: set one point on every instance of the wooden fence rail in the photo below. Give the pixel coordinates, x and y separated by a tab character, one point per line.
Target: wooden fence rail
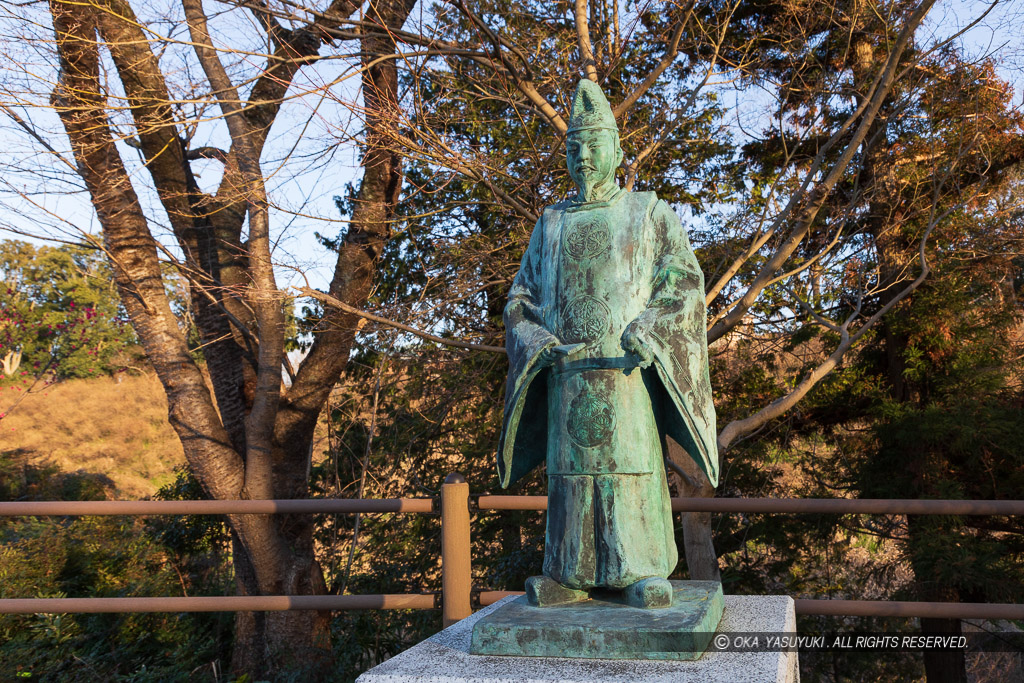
485	503
841	506
225	603
455	506
215	507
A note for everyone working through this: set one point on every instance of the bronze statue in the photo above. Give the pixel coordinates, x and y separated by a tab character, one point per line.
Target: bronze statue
605	332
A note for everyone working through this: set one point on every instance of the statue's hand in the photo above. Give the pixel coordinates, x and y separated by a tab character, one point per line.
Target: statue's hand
552	353
548	356
633	342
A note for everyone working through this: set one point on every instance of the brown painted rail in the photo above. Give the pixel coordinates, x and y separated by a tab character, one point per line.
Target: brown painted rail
274	603
231	603
216	507
455	503
910	506
491	597
875	506
894	608
868	608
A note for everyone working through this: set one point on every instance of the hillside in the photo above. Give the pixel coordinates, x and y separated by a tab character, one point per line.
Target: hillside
111	426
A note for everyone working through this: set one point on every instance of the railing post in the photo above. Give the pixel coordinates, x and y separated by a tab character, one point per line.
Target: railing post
456	578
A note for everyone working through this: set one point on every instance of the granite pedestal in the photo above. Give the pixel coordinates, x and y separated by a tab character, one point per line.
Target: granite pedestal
445	657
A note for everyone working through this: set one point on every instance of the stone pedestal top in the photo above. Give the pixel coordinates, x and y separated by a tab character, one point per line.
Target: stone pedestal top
445	657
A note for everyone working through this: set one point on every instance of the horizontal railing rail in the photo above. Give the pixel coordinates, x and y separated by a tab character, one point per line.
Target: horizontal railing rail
281	603
216	507
220	603
866	506
454	506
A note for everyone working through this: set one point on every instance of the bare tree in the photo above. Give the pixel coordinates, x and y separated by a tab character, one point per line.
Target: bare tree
253	437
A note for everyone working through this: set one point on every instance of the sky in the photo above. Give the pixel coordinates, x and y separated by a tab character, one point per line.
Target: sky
40	198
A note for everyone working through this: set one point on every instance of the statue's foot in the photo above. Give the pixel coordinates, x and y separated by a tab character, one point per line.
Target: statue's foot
543	591
649	593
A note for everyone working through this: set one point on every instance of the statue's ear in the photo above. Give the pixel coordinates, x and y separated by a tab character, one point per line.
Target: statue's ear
618	152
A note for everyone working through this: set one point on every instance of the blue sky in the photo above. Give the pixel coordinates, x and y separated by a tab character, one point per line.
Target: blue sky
39	197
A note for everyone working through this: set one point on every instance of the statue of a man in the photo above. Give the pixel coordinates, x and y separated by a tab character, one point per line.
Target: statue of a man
605	332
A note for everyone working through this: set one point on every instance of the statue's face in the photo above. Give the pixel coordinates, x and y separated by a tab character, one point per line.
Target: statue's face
592	157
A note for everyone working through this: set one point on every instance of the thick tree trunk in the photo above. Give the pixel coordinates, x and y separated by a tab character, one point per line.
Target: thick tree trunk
268	643
370	227
944	666
242	445
940	666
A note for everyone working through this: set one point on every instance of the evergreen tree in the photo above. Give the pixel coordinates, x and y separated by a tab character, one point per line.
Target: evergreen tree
61	312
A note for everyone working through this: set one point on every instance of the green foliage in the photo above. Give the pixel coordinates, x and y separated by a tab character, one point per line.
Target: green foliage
60	310
51	557
969	449
192	536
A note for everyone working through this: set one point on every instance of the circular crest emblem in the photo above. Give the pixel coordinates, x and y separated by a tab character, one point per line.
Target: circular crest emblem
591	419
588	237
585	319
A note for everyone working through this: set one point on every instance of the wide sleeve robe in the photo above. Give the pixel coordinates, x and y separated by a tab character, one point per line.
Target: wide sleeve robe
672	325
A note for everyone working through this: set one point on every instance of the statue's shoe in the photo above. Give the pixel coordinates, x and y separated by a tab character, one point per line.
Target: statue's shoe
649	593
542	591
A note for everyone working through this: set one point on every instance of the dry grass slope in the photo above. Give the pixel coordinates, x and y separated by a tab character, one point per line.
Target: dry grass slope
100	426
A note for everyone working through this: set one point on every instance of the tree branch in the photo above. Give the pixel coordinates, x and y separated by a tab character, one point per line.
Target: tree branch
583	34
523	82
263	295
880	90
207	152
370	227
341	305
82	110
671	51
737	428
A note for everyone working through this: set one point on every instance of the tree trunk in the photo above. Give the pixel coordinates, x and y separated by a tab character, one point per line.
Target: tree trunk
698	541
269	643
944	666
245	444
940	666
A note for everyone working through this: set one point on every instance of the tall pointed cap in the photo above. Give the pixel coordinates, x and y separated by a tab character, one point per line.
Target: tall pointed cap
590	109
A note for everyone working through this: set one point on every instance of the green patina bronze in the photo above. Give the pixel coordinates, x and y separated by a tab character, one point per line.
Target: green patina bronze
605	629
605	332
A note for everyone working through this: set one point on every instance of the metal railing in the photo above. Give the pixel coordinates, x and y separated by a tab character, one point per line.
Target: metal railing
457	596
